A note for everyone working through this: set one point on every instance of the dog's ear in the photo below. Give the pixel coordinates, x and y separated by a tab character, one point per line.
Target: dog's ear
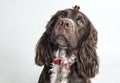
43	50
45	47
87	59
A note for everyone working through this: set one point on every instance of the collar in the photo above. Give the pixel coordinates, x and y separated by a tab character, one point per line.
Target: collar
57	61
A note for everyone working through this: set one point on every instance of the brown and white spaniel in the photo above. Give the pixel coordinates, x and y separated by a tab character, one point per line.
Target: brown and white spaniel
67	49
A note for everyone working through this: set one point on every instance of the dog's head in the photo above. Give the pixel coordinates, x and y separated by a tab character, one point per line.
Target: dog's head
70	29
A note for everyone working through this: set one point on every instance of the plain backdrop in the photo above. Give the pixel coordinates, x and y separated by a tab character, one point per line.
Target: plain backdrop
22	22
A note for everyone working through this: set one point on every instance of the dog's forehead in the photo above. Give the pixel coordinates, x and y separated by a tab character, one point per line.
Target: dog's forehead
73	12
70	12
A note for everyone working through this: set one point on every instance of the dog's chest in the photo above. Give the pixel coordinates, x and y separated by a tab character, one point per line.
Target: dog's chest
61	66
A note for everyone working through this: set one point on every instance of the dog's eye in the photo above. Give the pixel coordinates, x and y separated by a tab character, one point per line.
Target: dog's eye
79	22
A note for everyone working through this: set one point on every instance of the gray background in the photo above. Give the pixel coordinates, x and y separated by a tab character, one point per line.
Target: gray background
22	23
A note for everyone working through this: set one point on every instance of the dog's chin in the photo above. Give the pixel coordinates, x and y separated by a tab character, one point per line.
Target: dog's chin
61	41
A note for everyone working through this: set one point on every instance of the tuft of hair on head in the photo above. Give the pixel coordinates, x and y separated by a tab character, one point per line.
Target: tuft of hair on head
76	7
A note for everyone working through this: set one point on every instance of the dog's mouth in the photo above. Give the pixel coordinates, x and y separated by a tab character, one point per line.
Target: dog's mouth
61	41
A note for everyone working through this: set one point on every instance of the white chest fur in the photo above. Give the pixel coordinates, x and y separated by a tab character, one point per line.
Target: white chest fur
61	71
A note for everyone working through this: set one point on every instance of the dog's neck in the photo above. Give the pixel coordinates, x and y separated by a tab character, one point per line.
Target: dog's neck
59	55
61	66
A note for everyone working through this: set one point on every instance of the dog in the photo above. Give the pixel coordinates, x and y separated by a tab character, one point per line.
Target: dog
67	48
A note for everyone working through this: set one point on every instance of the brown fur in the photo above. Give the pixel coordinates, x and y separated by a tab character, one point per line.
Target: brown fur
86	65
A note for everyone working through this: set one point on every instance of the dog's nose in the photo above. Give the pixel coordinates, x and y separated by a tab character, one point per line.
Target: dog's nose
65	23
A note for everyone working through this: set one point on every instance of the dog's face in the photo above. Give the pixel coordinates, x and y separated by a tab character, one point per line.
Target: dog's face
69	27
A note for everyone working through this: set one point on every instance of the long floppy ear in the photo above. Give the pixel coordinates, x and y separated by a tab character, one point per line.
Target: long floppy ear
44	47
87	59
